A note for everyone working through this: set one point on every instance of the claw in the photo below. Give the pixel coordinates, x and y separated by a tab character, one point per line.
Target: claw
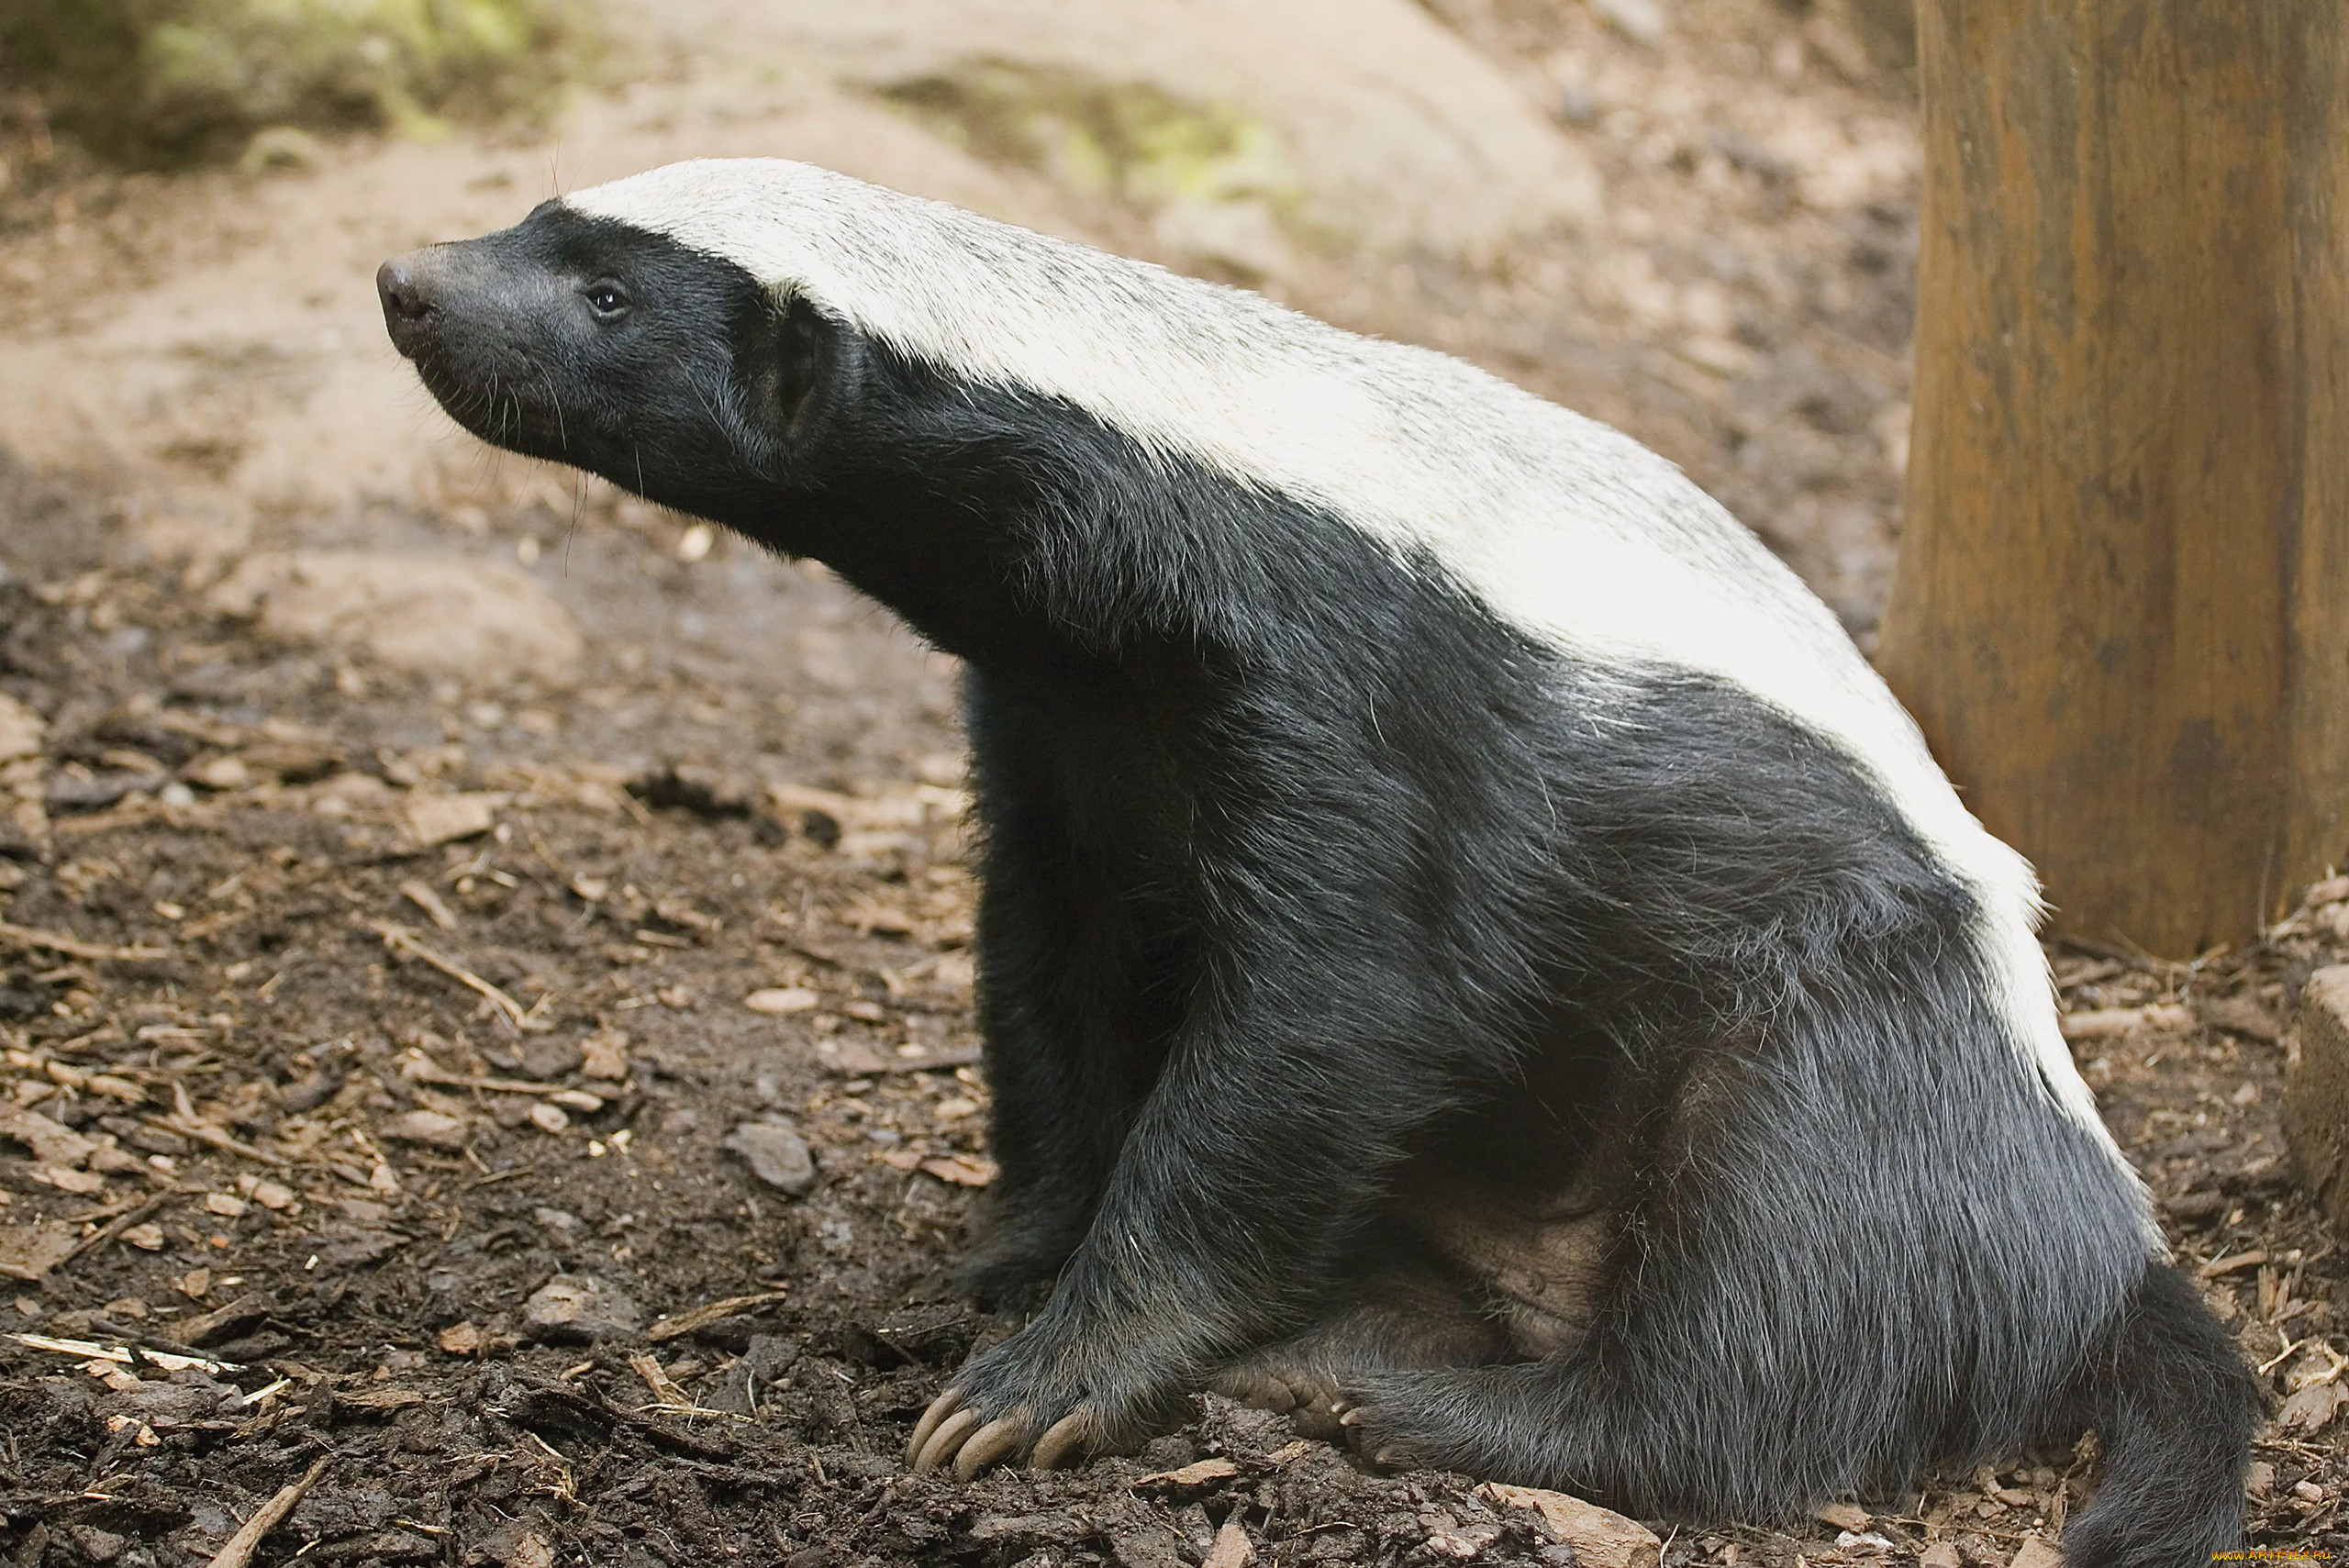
1068	1438
997	1440
945	1440
940	1408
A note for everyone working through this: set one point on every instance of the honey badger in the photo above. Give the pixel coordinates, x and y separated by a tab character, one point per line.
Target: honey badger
1466	945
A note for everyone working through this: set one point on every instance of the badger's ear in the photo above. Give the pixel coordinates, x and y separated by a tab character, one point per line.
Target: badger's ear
802	351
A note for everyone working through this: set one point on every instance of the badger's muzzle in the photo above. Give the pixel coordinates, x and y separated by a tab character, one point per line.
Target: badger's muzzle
405	285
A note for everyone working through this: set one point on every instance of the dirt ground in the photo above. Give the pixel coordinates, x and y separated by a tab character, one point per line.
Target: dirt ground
528	1068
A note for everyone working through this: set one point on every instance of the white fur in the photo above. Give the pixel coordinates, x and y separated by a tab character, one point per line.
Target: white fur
1562	524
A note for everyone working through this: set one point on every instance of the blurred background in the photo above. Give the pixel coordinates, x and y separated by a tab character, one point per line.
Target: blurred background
1693	219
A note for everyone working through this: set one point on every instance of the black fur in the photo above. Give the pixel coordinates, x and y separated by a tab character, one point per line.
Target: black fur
1308	884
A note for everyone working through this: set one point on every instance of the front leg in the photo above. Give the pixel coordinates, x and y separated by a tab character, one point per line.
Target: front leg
1061	1015
1258	1152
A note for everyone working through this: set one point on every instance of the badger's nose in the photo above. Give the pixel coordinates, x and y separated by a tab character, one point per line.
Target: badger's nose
402	284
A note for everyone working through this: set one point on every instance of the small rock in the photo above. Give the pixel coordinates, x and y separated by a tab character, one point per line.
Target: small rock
549	1117
219	773
603	1055
445	819
1642	21
98	1545
436	1129
776	1155
145	1238
556	1219
545	1057
2037	1552
1843	1516
460	1339
1941	1554
272	1196
1578	105
2306	1491
2259	1480
67	792
581	1309
228	1205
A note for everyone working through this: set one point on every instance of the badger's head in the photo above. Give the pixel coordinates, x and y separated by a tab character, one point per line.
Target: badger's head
842	371
595	333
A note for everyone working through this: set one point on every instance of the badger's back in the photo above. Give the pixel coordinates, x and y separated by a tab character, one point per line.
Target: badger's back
1562	527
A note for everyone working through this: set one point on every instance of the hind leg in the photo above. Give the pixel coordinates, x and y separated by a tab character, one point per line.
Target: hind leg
1410	1311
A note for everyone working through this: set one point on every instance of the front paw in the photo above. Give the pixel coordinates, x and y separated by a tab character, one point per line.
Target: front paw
1038	1400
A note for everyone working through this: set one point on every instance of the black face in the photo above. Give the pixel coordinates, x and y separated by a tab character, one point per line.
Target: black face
668	371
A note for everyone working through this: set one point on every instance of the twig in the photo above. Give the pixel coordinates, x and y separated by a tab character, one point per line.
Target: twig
701	1317
120	1223
419	1068
75	947
401	941
205	1132
664	1388
268	1517
124	1355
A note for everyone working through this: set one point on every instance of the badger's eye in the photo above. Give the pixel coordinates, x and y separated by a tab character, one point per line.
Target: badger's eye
607	299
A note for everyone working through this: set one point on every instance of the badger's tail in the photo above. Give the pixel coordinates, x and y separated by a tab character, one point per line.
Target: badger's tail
2175	1408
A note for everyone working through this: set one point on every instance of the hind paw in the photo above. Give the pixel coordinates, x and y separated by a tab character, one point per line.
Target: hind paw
1311	1403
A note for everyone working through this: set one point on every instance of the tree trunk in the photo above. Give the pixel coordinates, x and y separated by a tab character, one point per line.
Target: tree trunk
2122	607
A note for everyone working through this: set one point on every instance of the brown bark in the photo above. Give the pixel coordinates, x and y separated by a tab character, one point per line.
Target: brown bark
2121	608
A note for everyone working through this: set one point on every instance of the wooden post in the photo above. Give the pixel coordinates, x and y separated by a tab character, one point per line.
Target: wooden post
2121	606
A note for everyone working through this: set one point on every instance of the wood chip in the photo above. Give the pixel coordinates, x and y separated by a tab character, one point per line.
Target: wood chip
1232	1548
28	1251
1196	1474
684	1323
781	999
2105	1023
664	1388
238	1552
435	1130
381	1399
2313	1409
460	1339
1600	1539
963	1170
435	908
1843	1516
2234	1262
52	1143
